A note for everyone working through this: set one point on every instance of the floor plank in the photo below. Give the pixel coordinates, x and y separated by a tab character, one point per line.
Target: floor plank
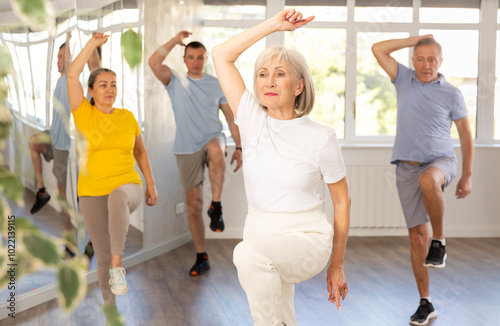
382	290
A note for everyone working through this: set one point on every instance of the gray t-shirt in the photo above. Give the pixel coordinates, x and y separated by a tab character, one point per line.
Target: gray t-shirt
61	113
425	114
196	109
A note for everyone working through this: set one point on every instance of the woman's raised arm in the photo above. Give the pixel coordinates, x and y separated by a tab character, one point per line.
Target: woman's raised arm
75	90
226	54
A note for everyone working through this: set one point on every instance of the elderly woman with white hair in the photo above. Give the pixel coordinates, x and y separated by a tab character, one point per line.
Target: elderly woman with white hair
287	237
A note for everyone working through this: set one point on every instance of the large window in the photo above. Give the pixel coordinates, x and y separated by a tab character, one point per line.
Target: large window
327	67
354	95
34	56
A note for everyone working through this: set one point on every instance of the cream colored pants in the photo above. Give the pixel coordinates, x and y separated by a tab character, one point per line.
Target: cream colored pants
277	251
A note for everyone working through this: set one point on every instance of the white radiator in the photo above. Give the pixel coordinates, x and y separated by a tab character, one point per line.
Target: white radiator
374	197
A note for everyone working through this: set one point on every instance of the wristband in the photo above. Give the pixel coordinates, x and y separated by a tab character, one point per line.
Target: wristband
238	149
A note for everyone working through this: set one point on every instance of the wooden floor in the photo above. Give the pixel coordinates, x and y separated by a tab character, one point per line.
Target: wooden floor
51	222
382	290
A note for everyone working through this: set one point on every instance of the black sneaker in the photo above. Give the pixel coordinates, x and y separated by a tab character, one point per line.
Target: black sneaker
68	253
424	313
89	250
42	198
437	255
216	223
201	266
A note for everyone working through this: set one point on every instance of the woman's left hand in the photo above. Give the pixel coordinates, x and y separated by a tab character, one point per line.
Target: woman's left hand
336	284
151	195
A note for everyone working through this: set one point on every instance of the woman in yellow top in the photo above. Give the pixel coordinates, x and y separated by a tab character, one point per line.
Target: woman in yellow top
108	186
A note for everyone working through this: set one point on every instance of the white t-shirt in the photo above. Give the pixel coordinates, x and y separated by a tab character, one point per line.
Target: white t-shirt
285	160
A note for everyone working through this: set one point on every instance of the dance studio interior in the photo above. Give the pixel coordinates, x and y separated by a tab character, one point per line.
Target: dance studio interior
353	95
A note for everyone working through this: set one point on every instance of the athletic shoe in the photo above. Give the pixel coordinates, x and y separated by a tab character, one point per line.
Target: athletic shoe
423	314
42	198
216	223
117	281
436	256
201	266
89	250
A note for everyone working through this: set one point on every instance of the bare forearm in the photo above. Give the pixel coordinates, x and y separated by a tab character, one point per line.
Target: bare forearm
235	133
142	159
77	65
341	231
162	52
467	147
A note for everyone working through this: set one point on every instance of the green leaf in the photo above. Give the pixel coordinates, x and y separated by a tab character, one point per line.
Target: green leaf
10	185
42	248
69	284
33	10
24	224
72	279
131	43
112	315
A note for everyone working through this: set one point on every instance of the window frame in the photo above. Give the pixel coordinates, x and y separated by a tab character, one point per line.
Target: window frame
486	58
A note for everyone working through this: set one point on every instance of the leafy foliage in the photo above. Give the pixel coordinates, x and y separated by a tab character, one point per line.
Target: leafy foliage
131	44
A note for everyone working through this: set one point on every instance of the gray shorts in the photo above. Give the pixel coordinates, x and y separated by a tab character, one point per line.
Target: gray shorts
410	195
192	166
60	157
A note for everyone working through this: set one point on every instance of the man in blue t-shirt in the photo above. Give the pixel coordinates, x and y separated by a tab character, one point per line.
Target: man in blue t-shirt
54	144
199	141
423	152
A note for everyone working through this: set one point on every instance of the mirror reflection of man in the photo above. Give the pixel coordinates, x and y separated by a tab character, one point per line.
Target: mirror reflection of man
199	140
54	144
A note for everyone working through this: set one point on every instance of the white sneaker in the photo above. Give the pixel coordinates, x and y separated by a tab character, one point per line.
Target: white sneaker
117	281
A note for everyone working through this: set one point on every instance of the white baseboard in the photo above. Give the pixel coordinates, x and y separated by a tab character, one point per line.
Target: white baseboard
49	292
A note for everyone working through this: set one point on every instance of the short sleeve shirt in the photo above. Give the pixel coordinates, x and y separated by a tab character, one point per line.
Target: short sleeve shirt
196	104
61	114
109	161
425	114
285	160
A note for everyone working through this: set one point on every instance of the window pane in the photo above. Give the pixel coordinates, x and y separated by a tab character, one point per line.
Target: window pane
328	71
213	12
25	75
376	101
460	67
449	15
38	56
17	80
383	14
213	36
324	13
496	134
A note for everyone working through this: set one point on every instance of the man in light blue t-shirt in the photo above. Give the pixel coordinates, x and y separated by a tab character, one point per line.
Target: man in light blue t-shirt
423	152
199	140
54	144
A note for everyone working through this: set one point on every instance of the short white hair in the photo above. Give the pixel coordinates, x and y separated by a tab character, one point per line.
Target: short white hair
304	102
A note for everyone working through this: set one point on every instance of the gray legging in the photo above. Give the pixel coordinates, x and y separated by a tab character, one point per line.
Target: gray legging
107	219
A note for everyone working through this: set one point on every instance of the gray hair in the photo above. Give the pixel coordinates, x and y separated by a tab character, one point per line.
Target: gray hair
429	41
304	102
